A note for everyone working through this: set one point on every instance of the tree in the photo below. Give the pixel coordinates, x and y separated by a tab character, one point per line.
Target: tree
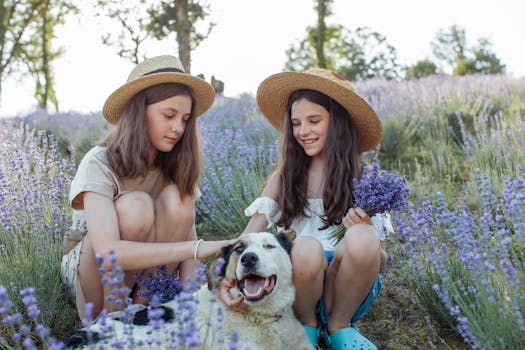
365	54
421	69
484	61
133	27
318	35
165	19
27	29
356	55
39	53
16	18
451	47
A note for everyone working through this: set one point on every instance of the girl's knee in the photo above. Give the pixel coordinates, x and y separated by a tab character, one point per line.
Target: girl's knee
361	244
135	215
170	203
308	258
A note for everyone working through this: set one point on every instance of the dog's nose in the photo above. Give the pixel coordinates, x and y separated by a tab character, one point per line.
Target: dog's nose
249	259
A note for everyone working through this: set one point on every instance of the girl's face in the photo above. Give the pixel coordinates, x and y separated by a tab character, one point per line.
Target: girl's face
166	122
310	126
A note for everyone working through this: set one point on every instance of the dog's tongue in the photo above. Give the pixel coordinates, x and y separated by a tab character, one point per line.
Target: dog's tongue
253	285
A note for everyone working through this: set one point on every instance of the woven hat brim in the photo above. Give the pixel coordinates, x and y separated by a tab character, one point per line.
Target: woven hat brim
203	93
273	93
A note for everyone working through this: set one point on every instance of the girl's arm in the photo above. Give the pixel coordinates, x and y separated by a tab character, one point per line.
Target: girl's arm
258	221
103	229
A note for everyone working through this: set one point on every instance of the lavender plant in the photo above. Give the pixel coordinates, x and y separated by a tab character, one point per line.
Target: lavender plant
34	213
81	131
469	264
240	150
23	325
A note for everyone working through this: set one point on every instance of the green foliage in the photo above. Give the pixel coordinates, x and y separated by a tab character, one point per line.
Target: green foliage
399	143
163	19
300	56
133	31
318	35
483	61
146	20
26	33
39	54
356	55
451	47
16	19
421	69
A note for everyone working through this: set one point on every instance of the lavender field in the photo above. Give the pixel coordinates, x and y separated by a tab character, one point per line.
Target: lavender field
456	274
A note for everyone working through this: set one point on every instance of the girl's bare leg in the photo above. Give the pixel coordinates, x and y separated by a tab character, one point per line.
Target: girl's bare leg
175	222
136	218
309	264
351	274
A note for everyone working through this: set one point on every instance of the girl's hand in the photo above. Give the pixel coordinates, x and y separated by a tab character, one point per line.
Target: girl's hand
356	216
210	248
223	291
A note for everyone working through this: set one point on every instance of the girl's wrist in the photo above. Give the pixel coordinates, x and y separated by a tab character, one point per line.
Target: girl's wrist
196	249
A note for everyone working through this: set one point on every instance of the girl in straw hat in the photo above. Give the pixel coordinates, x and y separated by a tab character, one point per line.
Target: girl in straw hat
325	126
134	193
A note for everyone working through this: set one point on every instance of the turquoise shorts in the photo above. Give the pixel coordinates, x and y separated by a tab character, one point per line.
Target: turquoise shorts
369	300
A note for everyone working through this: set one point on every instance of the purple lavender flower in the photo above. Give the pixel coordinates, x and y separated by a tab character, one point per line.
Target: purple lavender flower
379	191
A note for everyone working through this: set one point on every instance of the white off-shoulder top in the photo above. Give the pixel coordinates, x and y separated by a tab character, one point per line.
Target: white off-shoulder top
309	226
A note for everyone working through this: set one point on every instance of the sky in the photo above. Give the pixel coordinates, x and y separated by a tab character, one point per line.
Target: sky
250	39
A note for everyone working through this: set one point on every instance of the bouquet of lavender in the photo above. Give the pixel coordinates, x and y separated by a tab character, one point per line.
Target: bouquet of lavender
161	285
377	192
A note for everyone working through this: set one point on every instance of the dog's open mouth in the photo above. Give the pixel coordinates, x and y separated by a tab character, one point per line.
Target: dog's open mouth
255	287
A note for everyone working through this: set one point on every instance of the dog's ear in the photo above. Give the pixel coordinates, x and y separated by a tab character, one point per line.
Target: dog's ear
217	267
289	234
285	239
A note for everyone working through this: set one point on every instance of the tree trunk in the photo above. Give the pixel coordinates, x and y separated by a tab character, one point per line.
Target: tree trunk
321	33
45	59
183	29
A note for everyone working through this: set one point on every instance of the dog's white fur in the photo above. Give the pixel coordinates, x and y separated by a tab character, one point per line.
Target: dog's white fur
269	323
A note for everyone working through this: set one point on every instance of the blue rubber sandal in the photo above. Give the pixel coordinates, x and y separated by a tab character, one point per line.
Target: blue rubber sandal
348	338
313	335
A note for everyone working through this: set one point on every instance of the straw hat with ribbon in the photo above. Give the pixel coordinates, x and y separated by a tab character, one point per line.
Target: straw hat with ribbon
274	91
153	71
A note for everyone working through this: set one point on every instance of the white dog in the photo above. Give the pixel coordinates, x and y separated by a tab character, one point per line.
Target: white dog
260	264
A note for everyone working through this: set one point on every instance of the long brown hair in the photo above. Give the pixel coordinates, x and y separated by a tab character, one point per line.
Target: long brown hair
343	164
127	142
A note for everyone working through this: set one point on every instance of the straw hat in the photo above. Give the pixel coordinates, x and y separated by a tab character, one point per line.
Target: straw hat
273	93
153	71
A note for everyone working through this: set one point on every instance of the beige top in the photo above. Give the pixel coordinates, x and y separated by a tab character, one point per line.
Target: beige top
94	174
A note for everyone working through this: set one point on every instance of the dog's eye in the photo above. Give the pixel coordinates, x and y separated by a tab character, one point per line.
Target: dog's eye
268	246
239	249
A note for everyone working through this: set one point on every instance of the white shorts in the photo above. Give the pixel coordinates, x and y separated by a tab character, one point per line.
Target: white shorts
69	274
